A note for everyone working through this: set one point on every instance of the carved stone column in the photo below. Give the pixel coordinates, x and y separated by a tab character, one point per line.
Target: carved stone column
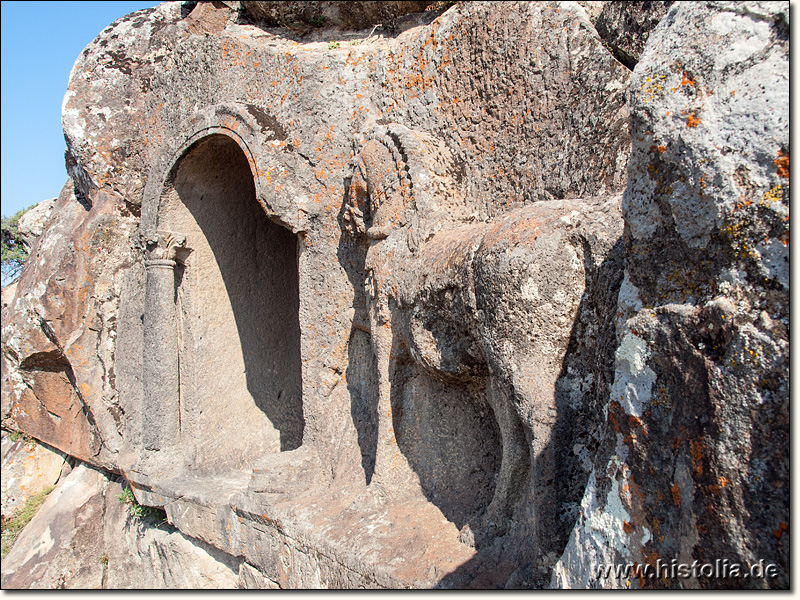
160	377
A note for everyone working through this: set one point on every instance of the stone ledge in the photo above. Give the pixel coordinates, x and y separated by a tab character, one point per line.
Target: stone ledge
345	537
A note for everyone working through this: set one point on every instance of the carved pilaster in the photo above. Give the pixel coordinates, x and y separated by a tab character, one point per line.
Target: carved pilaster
160	375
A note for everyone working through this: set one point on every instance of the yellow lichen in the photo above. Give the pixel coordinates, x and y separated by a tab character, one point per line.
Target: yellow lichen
651	88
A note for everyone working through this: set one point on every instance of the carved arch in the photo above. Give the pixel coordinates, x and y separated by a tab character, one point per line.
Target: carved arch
262	140
250	305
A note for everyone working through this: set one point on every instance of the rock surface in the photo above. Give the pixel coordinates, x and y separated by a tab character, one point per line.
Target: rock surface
695	465
34	221
58	348
343	15
625	26
359	306
28	468
83	537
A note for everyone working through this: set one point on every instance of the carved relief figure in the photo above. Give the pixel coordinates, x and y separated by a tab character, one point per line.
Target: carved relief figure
381	187
491	302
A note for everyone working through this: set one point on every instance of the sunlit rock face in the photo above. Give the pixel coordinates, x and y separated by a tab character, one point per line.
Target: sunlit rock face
446	298
695	462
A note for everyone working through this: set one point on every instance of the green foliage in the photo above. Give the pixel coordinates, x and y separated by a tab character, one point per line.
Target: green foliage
13	252
127	497
317	21
137	510
19	435
441	5
11	528
333	45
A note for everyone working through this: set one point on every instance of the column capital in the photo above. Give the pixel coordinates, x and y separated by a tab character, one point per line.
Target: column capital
161	248
159	263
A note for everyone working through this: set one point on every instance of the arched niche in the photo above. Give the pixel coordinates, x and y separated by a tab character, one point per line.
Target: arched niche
237	309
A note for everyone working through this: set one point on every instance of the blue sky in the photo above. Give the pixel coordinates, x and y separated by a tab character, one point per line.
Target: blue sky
40	42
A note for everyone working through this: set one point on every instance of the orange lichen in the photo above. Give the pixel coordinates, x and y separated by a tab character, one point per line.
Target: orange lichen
676	494
627	527
687	80
696	448
782	162
692	120
613	408
656	524
652	560
782	527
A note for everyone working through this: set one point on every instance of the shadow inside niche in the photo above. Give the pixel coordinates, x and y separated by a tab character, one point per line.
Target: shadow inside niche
582	389
240	302
362	383
449	435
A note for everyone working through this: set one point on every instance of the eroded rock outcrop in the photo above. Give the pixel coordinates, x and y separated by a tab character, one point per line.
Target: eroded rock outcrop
34	221
59	381
357	312
342	15
28	469
84	537
625	26
695	460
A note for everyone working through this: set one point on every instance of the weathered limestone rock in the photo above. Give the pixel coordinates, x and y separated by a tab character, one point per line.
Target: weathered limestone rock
33	222
84	538
358	312
593	8
59	382
695	466
625	26
344	15
143	41
28	468
8	295
72	510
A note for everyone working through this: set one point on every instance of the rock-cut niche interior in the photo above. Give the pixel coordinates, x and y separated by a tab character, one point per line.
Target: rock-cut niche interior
237	301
